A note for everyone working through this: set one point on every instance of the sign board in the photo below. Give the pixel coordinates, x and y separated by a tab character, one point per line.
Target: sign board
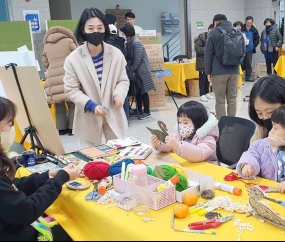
120	14
200	25
163	73
148	33
147	40
155	56
34	17
159	83
157	99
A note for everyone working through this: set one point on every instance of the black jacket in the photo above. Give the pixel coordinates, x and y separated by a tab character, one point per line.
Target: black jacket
200	47
19	209
255	36
118	42
213	49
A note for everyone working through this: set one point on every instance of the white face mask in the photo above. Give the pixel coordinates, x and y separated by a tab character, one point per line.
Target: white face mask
8	138
186	132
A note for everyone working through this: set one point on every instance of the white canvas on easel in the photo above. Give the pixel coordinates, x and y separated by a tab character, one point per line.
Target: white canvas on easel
36	103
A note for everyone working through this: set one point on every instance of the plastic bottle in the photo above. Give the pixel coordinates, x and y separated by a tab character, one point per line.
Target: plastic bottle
227	188
102	187
172	182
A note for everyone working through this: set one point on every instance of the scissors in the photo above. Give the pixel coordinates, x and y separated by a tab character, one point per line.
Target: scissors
210	224
95	195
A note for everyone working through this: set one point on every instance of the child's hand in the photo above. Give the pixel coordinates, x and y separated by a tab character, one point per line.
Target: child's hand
247	171
155	141
172	143
281	187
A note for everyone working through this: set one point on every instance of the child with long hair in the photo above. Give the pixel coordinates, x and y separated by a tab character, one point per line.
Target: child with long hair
23	201
197	135
266	157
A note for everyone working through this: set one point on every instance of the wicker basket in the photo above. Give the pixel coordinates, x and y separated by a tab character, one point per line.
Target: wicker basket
156	200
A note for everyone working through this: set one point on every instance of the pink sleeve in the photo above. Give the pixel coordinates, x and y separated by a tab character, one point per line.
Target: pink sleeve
165	148
197	153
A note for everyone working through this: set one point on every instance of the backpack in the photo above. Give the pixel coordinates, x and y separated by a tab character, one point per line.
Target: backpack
233	47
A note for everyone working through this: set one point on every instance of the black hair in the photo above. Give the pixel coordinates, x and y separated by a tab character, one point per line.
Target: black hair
249	18
278	116
89	13
128	30
270	89
112	19
196	112
211	26
219	18
238	23
130	15
7	110
269	20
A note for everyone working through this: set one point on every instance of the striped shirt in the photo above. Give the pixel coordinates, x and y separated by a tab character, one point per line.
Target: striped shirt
98	63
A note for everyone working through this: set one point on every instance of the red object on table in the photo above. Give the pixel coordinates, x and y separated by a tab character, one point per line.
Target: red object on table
210	224
234	177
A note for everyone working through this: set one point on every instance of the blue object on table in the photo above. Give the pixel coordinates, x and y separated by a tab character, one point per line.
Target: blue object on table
29	158
163	73
95	195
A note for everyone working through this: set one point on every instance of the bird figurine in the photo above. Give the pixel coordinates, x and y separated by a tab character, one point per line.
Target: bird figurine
161	134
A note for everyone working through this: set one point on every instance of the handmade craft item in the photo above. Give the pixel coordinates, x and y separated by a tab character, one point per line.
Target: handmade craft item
261	210
96	170
242	227
161	134
234	177
73	185
267	189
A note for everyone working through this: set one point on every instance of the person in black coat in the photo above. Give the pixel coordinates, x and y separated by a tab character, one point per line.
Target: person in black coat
253	36
23	201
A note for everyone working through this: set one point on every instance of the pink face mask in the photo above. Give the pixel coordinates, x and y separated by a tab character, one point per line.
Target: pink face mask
186	132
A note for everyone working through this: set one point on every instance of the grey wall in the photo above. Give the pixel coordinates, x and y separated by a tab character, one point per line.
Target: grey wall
259	10
148	12
43	6
60	10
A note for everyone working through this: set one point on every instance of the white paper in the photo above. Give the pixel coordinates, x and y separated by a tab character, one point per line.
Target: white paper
2	92
23	48
21	58
38	65
144	33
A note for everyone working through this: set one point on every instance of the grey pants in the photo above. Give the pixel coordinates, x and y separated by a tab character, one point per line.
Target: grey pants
64	121
248	65
225	87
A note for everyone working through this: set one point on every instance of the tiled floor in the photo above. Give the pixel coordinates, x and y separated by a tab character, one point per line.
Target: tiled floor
138	129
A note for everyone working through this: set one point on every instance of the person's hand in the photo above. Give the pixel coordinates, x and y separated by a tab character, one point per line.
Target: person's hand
210	78
281	187
72	171
172	143
119	102
155	141
53	173
99	111
134	74
247	171
276	48
275	140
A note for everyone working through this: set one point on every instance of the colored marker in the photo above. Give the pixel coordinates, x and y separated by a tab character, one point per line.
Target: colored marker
196	231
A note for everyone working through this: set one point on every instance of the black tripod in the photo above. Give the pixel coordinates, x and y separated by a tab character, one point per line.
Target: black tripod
29	130
170	93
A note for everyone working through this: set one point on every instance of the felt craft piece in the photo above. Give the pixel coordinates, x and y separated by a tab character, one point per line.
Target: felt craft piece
269	189
117	167
73	185
96	170
263	211
161	134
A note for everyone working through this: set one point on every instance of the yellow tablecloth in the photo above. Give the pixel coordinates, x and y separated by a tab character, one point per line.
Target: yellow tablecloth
88	221
280	66
182	72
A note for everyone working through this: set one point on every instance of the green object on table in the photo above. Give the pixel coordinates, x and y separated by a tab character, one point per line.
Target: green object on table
149	171
182	184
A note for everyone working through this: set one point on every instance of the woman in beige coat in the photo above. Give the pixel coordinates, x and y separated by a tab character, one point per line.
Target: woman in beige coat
59	43
96	81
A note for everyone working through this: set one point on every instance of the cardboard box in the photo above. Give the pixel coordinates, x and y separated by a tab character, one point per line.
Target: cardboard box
157	99
192	87
150	40
155	56
159	82
260	70
283	49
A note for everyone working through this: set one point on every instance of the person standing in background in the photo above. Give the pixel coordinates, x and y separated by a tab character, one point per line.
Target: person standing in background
282	28
224	77
200	46
130	19
271	41
112	19
59	43
253	41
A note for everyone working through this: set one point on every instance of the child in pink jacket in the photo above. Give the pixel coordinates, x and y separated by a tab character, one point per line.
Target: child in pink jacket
197	135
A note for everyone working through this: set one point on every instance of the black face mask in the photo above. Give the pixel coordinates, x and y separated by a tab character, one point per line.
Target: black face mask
268	27
267	123
95	38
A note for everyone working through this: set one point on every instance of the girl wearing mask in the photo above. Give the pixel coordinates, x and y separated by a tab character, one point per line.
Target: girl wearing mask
96	81
271	41
196	138
267	94
23	201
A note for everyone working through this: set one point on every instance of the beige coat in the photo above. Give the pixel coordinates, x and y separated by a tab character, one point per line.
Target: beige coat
82	84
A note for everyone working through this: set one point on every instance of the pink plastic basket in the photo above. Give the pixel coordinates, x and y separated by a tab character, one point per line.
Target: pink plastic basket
156	200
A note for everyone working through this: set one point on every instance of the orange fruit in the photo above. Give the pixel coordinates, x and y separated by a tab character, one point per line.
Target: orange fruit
190	199
181	211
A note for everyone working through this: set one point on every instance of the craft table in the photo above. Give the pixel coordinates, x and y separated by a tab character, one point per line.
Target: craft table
87	221
280	66
182	72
